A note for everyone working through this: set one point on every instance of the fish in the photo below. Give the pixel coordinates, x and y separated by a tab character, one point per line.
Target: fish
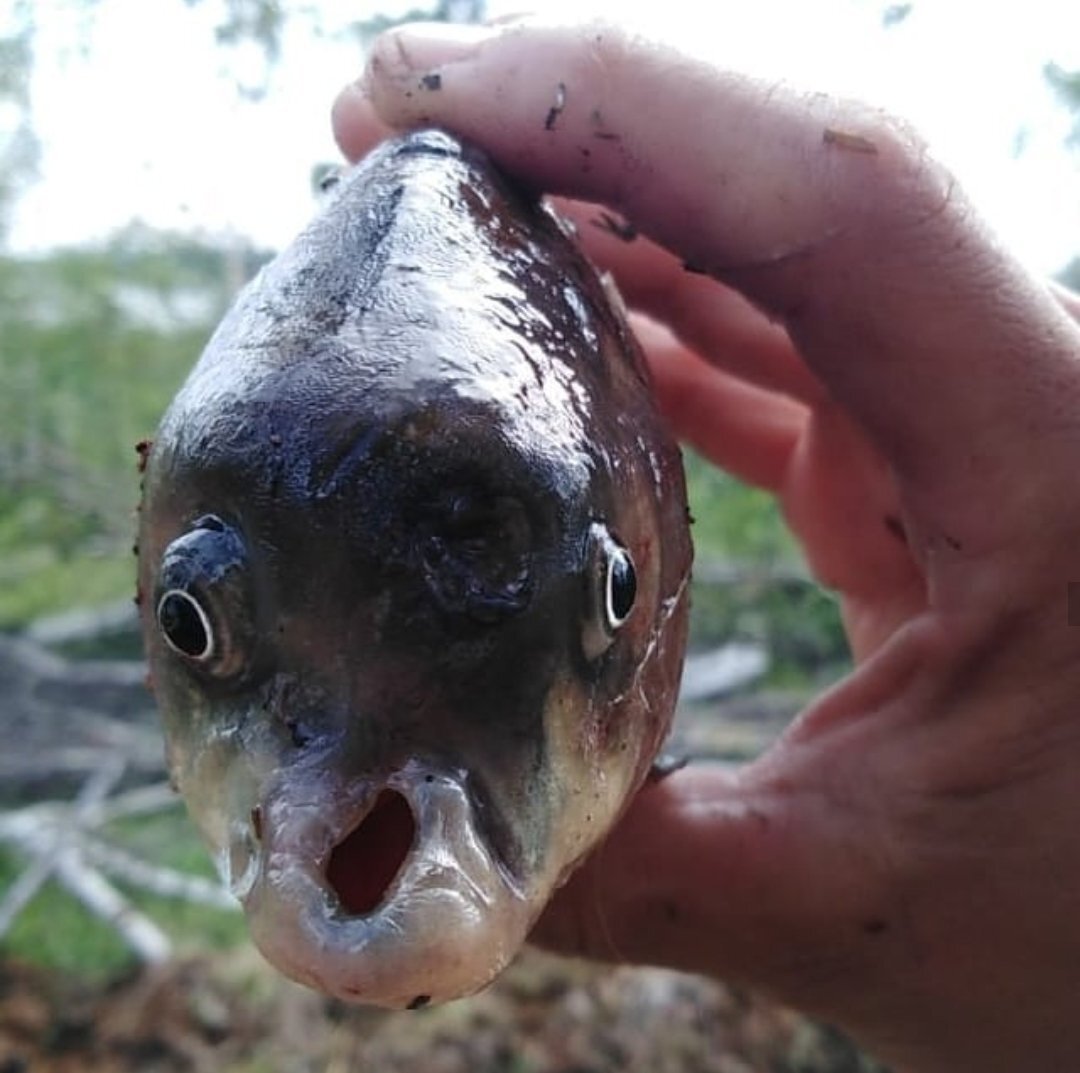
413	571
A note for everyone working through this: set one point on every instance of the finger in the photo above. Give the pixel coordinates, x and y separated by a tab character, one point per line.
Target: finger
821	468
841	499
827	215
715	321
745	430
356	125
697	876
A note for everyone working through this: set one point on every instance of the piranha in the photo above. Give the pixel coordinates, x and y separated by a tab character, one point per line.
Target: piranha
413	558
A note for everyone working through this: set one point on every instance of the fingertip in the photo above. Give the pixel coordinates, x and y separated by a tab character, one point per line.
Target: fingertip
355	124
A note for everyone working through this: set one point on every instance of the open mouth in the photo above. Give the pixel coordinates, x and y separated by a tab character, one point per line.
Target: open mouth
409	905
364	864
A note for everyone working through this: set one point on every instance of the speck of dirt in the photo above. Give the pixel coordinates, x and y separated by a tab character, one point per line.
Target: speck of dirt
432	82
621	229
853	143
142	449
557	107
596	118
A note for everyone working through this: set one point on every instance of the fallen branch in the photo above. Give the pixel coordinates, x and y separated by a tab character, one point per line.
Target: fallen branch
51	842
166	882
60	841
138	931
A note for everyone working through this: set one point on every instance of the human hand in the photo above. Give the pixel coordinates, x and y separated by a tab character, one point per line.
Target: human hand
906	860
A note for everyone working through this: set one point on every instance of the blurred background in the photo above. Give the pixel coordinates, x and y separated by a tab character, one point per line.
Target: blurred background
153	153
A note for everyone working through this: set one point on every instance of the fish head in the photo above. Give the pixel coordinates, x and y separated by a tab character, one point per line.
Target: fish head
413	561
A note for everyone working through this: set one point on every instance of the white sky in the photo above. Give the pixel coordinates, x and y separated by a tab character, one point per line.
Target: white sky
145	122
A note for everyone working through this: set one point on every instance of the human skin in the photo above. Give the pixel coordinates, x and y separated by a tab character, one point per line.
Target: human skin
905	860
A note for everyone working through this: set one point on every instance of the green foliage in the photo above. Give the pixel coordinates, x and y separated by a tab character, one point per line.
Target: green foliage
261	21
1070	274
16	56
366	30
1067	83
95	343
733	521
1067	86
795	620
749	584
39	579
19	148
895	14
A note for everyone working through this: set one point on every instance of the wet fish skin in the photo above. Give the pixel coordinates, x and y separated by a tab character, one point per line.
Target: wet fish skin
396	499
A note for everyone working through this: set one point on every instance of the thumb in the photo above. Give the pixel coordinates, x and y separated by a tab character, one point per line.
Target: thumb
733	873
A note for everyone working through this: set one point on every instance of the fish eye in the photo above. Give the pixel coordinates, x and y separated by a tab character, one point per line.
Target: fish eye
620	588
185	626
612	590
204	611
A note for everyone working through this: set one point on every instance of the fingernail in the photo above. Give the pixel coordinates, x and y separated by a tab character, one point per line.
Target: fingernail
421	46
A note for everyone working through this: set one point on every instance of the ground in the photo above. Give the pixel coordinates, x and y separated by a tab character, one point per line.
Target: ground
545	1015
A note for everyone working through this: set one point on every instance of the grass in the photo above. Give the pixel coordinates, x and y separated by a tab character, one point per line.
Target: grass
56	932
41	581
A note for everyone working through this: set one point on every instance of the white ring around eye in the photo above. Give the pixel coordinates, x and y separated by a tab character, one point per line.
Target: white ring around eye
204	622
606	560
617	555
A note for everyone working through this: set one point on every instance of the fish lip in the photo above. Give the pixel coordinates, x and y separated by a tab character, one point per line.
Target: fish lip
448	921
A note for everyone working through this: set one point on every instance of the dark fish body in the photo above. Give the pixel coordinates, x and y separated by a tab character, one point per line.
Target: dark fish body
413	564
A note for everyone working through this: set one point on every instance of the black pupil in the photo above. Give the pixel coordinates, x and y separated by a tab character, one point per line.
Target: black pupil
182	624
623	586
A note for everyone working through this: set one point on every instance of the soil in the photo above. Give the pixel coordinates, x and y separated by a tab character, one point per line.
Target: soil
545	1015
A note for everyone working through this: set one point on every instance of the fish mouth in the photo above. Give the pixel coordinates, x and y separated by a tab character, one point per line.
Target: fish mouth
384	894
364	864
